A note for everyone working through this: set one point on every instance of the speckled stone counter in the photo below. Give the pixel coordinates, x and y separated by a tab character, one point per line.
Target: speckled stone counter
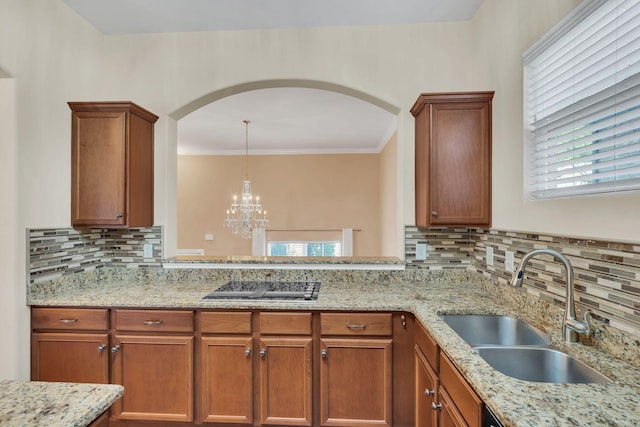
290	263
515	402
32	403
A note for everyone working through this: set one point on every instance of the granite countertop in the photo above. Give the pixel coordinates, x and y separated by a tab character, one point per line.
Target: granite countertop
35	403
517	403
201	261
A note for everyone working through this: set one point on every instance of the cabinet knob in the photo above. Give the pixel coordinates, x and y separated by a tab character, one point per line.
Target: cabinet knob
428	392
434	213
263	352
102	348
436	406
68	321
247	352
323	353
114	349
118	215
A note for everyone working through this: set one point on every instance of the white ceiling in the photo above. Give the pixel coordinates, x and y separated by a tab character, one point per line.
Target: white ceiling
283	120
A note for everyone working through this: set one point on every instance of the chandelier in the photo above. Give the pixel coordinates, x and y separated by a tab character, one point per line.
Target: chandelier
246	214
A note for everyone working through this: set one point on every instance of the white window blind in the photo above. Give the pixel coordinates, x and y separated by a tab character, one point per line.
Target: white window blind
582	103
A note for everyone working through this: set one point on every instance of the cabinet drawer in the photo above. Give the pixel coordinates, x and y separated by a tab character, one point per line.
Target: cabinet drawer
225	322
70	318
355	323
466	400
428	346
154	320
285	323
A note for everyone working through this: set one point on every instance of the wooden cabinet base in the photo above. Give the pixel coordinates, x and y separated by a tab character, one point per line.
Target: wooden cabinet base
101	421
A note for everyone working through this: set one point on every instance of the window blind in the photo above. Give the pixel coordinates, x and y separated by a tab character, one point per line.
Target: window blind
582	103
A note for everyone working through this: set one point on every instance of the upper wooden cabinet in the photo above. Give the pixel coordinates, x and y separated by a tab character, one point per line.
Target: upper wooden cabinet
111	164
453	159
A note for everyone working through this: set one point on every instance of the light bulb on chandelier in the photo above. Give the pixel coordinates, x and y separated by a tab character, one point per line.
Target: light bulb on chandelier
246	215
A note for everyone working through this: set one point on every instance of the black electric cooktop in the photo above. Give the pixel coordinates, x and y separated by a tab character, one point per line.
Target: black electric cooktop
261	290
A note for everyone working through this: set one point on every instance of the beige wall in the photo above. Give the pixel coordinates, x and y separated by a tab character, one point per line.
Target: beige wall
504	30
299	192
14	334
390	228
55	57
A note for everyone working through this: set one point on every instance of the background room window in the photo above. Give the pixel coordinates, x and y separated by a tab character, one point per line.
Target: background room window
304	249
582	103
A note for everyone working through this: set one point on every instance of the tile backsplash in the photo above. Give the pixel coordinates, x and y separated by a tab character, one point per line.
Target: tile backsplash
606	273
56	252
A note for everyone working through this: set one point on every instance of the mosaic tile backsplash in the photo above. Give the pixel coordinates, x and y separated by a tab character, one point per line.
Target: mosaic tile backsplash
606	274
53	253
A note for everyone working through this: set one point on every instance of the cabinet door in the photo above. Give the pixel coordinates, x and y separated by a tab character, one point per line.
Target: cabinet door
355	382
460	164
286	381
98	168
426	388
449	414
226	380
70	357
157	374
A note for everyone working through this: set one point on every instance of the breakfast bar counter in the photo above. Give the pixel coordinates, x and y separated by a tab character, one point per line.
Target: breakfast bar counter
34	403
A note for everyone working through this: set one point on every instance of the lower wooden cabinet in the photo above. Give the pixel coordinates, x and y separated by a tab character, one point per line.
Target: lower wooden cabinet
449	415
101	421
157	375
70	357
355	382
286	381
255	368
443	397
426	388
356	385
226	380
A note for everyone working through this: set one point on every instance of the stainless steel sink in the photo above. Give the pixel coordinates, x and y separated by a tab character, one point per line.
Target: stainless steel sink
540	364
481	330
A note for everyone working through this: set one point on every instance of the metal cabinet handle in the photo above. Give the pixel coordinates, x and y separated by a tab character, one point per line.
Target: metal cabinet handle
102	348
436	406
356	325
247	352
153	322
115	348
323	353
428	392
434	213
263	352
67	320
403	321
118	215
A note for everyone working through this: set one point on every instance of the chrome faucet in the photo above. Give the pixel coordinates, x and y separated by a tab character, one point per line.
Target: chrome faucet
571	327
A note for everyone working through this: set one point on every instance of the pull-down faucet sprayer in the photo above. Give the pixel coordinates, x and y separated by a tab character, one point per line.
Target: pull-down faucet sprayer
571	327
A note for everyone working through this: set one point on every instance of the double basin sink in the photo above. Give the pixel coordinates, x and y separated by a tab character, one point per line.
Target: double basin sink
519	350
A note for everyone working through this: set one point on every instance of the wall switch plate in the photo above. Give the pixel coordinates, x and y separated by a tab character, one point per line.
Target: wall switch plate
489	256
421	251
148	250
508	261
208	237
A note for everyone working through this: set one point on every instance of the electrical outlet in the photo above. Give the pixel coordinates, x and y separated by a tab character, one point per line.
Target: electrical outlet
148	250
421	251
208	237
508	261
489	256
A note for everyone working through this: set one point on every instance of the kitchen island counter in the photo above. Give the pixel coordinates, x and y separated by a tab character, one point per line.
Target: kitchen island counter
427	296
35	403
